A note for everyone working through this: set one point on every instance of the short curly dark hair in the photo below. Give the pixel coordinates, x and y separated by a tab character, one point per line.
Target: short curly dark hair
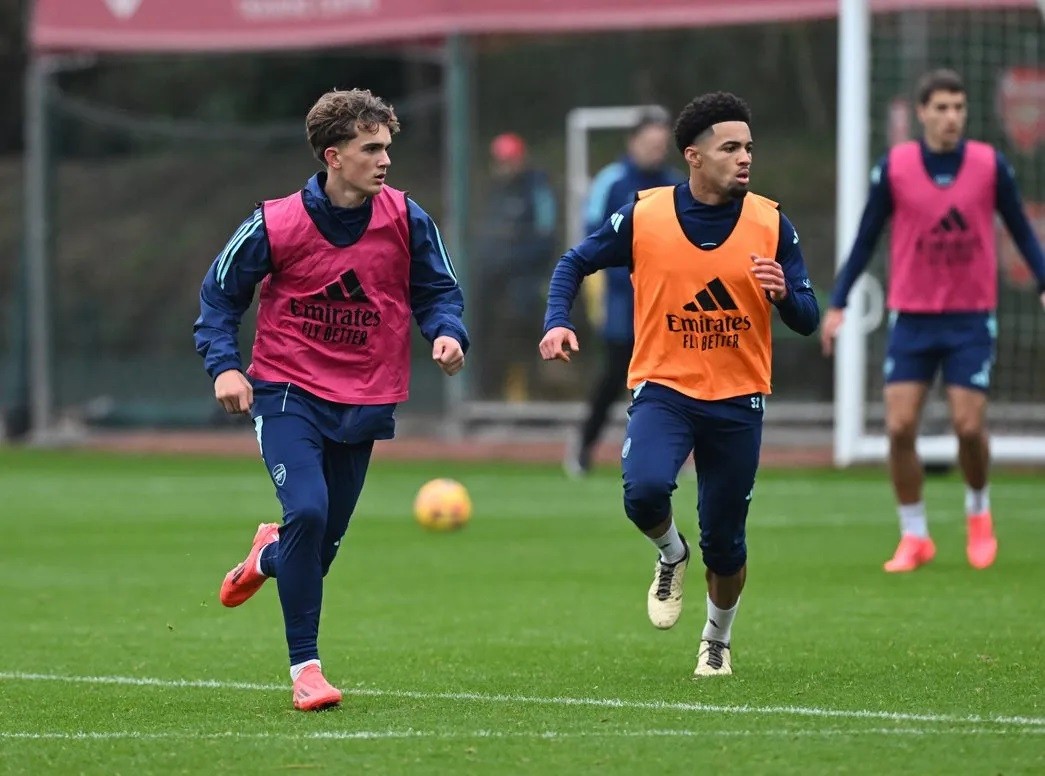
705	111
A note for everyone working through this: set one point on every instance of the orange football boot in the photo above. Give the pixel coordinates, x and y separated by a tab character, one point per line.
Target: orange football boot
312	692
982	546
244	580
912	552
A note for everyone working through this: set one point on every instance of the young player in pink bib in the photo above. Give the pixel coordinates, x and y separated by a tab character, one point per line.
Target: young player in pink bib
342	265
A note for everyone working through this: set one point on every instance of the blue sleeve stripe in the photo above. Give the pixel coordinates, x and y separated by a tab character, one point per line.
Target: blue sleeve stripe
228	254
442	250
599	194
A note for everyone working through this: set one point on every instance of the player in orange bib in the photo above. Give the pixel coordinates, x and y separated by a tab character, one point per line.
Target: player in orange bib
709	261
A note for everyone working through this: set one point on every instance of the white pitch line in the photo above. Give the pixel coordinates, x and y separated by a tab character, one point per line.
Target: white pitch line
137	681
381	735
612	703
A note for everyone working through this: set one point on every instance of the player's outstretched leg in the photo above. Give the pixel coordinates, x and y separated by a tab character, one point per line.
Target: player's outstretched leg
729	438
968	413
903	407
658	440
246	578
344	471
296	456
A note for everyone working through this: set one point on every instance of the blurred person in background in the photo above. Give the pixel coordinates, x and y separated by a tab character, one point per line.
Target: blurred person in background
342	265
941	192
710	262
515	250
643	166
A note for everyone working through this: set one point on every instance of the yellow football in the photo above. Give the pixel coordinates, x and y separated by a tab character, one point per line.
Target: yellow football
443	505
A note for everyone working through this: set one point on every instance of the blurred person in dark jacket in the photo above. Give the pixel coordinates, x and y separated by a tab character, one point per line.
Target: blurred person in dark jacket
515	249
643	166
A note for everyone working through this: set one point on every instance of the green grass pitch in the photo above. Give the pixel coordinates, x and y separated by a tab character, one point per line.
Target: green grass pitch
519	645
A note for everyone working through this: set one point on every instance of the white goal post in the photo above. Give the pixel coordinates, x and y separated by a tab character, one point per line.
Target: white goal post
852	441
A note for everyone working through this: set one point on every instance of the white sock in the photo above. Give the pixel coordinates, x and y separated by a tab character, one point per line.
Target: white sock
672	550
977	501
297	668
912	520
719	626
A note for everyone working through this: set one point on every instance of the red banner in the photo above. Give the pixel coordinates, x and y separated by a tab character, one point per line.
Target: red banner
230	25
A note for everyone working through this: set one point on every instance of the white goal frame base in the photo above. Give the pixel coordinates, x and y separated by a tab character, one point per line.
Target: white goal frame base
944	449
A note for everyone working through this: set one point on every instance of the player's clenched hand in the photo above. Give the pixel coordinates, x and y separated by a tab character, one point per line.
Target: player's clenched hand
1043	300
447	352
829	329
558	343
233	391
771	276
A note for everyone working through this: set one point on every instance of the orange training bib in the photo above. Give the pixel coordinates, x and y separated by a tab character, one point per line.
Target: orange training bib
702	321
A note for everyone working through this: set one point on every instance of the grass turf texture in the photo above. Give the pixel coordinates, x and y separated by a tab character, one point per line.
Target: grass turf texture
519	645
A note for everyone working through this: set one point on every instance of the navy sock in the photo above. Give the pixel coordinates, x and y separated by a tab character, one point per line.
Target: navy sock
270	560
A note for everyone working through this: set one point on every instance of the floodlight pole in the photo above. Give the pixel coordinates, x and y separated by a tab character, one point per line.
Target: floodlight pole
36	224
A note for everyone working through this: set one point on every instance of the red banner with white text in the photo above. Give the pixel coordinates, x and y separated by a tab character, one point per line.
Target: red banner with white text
236	25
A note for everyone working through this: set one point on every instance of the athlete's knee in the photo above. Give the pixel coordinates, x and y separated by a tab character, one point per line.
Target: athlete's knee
724	554
902	412
647	500
969	430
902	427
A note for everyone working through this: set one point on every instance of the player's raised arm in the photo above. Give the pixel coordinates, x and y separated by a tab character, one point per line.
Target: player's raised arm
798	306
608	246
876	213
1010	206
435	295
225	296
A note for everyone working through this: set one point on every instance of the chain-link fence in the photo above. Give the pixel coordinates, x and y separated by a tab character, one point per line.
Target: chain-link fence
142	204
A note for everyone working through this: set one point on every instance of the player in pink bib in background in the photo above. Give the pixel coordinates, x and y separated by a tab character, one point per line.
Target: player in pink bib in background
942	193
